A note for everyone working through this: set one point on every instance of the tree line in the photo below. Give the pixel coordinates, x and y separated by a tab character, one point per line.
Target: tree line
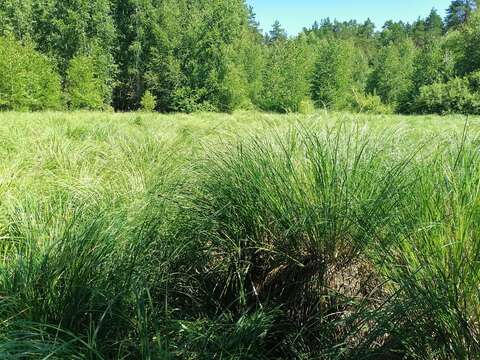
211	55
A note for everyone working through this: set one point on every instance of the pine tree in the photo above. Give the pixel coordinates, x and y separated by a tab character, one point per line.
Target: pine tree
277	33
252	20
459	11
434	23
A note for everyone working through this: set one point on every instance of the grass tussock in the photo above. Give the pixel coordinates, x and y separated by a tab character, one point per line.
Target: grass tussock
346	240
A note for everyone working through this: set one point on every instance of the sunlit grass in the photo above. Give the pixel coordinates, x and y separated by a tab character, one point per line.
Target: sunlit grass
244	236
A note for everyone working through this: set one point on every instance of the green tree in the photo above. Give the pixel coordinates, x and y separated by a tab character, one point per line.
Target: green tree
427	31
468	46
432	64
454	96
419	33
65	29
251	58
394	32
339	71
434	23
286	77
277	33
367	29
195	65
137	24
252	21
459	12
212	55
28	80
149	101
16	18
83	88
392	74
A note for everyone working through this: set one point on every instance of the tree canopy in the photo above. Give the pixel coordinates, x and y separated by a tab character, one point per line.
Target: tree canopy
211	55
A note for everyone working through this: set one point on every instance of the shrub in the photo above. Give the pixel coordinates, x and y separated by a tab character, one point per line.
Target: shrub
370	104
84	89
185	99
28	80
149	101
455	96
474	81
306	107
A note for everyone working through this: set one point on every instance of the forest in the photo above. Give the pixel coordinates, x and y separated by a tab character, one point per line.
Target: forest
211	55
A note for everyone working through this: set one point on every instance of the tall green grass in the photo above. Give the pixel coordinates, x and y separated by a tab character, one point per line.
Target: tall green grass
320	237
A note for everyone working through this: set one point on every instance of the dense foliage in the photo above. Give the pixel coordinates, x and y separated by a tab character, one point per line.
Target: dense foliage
28	80
211	55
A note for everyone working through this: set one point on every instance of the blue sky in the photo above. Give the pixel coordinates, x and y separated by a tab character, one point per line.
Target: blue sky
296	14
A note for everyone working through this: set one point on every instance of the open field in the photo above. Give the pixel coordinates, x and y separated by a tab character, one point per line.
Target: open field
244	236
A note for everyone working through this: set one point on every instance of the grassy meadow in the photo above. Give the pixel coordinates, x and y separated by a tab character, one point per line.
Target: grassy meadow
243	236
